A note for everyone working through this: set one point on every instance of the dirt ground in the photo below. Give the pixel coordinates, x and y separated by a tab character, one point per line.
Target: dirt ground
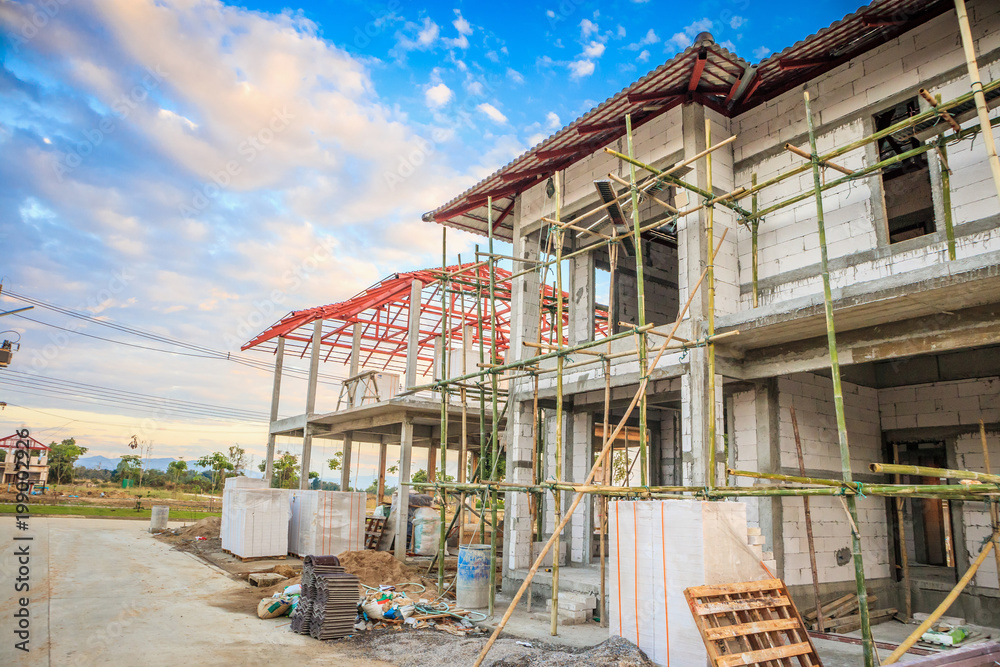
122	498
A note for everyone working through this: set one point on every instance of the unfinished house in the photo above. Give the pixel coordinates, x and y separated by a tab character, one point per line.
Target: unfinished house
35	466
694	195
399	333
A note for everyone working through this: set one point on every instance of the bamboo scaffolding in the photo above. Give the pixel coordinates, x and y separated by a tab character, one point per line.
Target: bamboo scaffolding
590	476
641	303
838	394
904	557
556	494
982	109
494	439
710	279
925	471
442	466
809	528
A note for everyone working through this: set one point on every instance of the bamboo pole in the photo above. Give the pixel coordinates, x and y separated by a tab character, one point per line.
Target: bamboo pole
994	511
809	528
754	224
590	477
948	118
925	471
949	225
944	606
838	394
556	494
494	426
442	543
710	233
825	163
904	557
977	90
641	298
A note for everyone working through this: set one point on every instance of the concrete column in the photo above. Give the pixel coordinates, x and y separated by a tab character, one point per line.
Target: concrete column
413	335
692	252
380	492
310	404
345	467
519	433
580	460
581	298
769	460
403	503
279	360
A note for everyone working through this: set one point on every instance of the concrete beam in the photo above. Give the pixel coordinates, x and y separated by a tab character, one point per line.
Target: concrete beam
403	502
413	335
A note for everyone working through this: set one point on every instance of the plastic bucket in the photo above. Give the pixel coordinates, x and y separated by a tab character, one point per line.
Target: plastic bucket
158	518
472	590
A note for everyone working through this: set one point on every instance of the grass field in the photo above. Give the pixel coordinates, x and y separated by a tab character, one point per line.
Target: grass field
114	512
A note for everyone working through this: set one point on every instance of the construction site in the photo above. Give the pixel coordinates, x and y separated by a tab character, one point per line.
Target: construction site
743	351
720	385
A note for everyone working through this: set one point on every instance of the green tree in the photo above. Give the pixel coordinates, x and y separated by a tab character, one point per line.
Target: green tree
620	467
237	459
336	462
218	463
128	468
285	471
62	458
177	469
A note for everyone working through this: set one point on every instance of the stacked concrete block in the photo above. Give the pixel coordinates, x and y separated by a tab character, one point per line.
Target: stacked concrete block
258	522
326	522
574	608
659	548
226	525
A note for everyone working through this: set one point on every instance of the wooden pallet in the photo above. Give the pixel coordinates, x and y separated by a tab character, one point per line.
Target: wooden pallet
373	531
752	623
253	558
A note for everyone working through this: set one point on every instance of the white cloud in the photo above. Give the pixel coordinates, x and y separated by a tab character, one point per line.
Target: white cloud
728	44
514	75
649	38
593	50
579	69
761	52
551	14
417	36
438	96
643	56
552	121
621	31
587	28
536	139
474	87
461	24
464	29
736	22
492	113
682	40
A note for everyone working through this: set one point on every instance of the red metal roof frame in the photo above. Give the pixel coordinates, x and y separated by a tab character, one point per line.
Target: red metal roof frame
10	442
705	73
383	310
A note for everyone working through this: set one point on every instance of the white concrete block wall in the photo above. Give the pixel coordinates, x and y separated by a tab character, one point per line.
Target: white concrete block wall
788	239
976	516
831	532
960	402
812	397
745	447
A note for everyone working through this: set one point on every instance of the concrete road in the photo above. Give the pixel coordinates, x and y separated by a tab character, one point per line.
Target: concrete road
102	591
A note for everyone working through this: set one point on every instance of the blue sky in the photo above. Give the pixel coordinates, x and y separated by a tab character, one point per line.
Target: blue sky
197	169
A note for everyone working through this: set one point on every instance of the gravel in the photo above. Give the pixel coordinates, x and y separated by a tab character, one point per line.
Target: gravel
432	648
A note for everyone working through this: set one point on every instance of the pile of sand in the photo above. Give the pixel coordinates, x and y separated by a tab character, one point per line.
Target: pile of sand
205	528
380	568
